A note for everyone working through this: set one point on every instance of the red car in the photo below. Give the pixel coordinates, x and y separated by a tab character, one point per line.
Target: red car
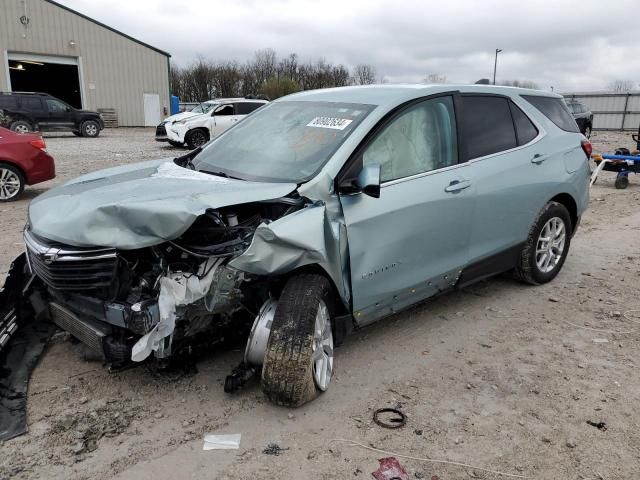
23	161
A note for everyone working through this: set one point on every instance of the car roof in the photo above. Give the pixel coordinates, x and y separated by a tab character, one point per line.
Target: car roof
388	95
237	100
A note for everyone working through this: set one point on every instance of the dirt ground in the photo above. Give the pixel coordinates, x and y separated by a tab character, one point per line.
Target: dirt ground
499	376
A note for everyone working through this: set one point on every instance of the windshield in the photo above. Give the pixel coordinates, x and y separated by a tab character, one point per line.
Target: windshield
204	107
282	141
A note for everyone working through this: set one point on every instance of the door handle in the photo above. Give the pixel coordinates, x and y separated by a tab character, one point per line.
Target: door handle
538	159
457	185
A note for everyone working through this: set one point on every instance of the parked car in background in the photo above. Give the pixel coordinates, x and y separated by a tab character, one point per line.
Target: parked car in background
196	130
161	131
23	161
582	116
319	213
33	111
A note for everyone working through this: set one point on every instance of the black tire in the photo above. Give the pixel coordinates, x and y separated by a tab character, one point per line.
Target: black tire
196	138
587	131
176	144
527	270
622	182
21	126
287	371
13	174
90	129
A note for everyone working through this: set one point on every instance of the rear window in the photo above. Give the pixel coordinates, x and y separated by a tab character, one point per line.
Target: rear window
245	108
555	110
525	129
9	102
486	126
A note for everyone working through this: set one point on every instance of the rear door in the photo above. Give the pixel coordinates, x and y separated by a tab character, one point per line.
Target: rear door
36	109
412	241
500	142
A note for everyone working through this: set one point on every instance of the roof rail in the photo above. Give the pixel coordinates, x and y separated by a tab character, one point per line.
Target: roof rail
26	93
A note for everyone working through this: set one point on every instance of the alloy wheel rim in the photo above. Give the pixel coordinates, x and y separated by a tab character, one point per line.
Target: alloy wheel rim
91	129
198	139
22	129
9	184
550	244
322	347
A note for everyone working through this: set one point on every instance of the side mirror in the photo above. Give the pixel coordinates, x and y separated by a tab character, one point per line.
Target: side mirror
368	181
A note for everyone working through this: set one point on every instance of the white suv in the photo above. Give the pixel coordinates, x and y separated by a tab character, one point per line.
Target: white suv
196	130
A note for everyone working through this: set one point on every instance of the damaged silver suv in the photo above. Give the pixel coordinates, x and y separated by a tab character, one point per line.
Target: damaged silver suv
323	211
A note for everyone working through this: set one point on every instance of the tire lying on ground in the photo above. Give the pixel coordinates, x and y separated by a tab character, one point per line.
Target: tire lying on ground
546	247
298	363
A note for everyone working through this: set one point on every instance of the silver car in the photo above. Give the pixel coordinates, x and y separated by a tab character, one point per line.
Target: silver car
322	212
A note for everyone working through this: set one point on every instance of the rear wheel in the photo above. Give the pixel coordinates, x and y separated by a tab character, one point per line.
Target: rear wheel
21	126
622	182
196	138
11	183
547	245
587	131
298	363
90	129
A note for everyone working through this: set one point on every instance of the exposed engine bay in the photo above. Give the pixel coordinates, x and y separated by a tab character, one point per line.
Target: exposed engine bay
161	301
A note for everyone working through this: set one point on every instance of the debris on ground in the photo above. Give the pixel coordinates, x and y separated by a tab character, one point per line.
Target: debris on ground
396	420
599	425
274	449
390	469
221	442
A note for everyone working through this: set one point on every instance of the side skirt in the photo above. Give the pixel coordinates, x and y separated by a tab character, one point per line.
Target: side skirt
490	266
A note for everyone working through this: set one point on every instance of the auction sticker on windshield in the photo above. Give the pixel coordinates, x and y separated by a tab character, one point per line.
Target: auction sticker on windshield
330	122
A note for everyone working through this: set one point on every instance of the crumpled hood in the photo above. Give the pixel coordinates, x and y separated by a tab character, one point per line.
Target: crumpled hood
138	205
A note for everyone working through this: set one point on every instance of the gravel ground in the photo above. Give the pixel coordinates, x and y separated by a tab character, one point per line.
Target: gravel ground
499	376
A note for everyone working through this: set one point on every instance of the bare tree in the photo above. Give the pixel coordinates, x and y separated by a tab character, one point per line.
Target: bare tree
435	78
363	74
621	86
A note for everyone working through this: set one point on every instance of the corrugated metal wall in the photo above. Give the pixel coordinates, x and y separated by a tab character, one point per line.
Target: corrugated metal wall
611	111
115	71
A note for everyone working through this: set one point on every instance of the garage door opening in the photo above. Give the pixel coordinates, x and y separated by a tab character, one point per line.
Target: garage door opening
60	80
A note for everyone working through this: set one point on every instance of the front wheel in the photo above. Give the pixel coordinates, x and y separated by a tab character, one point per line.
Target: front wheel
21	126
298	363
90	129
196	138
546	247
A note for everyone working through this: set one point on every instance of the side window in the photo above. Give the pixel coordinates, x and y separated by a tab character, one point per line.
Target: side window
420	139
486	126
55	106
9	102
555	110
245	108
224	110
31	104
525	129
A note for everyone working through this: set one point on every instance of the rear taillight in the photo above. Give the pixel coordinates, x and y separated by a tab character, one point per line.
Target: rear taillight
39	143
586	147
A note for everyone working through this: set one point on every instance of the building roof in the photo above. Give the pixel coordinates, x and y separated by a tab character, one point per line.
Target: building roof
108	27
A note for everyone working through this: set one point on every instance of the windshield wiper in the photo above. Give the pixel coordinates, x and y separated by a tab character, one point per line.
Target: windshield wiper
221	174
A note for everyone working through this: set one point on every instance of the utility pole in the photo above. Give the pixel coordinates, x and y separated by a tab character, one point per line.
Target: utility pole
495	65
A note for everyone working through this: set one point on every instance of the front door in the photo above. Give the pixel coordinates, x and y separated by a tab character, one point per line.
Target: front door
223	117
60	114
413	241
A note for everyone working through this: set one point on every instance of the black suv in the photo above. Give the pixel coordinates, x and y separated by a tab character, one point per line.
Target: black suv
582	115
29	111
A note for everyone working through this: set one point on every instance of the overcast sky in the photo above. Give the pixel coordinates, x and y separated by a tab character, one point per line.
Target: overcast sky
571	45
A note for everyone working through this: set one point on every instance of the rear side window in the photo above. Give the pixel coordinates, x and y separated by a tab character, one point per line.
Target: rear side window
525	129
486	126
555	110
9	102
31	104
245	108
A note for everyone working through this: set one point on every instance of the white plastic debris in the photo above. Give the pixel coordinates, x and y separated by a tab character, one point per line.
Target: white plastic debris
221	442
600	340
177	288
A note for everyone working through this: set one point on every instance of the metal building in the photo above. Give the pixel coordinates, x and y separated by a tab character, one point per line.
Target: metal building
48	47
